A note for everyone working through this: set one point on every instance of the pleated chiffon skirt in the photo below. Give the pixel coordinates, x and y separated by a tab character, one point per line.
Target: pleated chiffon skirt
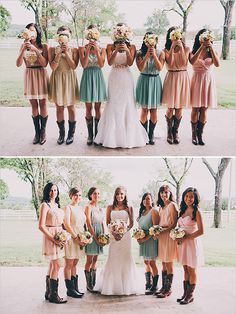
149	91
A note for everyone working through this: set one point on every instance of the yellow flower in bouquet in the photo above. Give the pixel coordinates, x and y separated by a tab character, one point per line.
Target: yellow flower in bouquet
63	37
104	239
176	34
138	233
121	33
177	233
151	39
208	35
92	34
26	34
62	236
155	230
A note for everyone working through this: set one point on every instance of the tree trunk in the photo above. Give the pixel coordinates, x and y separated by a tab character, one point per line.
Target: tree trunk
185	22
218	201
178	194
228	8
35	198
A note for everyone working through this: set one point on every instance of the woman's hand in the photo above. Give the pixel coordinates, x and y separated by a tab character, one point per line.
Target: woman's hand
27	45
141	241
64	48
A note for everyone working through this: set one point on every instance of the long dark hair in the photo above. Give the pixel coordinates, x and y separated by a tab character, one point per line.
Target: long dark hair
46	193
162	189
197	44
142	207
144	48
125	201
39	34
168	40
183	205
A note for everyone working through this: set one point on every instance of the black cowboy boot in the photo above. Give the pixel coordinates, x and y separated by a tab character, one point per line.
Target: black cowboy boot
71	132
76	286
93	277
88	276
167	292
71	292
90	131
185	285
148	282
175	129
43	129
37	129
153	288
145	125
200	128
53	294
151	132
61	126
194	133
189	294
163	277
169	122
96	121
47	287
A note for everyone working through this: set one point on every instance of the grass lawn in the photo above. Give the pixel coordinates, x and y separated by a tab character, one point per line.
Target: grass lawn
11	80
20	245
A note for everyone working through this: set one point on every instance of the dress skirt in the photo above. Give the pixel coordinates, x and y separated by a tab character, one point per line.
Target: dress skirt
93	248
149	91
36	83
50	250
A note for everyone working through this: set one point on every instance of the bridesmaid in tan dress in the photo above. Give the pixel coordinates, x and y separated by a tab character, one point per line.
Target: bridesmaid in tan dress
74	222
167	248
36	81
64	90
50	223
176	86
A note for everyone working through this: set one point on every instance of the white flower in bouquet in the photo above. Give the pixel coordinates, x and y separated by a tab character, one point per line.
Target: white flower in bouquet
138	233
26	34
177	233
155	230
121	33
176	34
63	37
62	236
208	35
92	34
85	237
118	228
151	39
104	239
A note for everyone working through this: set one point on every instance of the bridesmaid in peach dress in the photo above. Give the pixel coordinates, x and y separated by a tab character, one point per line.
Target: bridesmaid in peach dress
203	89
176	86
189	249
50	223
167	248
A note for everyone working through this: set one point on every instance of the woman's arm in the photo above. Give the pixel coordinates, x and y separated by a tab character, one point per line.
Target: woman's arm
71	60
108	215
159	62
111	54
131	217
130	53
42	58
89	222
42	223
194	57
200	227
19	59
142	62
84	56
215	57
173	218
53	58
67	213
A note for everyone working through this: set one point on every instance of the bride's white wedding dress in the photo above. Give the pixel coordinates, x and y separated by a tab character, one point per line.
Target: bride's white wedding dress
119	125
119	275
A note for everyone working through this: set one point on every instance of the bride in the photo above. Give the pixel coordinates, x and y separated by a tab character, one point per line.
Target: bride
119	125
119	275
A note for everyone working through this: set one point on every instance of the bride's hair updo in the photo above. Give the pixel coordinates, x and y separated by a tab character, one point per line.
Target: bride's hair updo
125	201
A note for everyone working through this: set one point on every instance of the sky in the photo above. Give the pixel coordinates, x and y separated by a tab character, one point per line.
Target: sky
134	174
205	12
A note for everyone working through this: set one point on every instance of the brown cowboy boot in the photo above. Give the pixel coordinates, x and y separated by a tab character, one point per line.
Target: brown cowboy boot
47	287
194	133
164	274
43	129
36	121
185	284
151	132
53	295
189	295
148	282
200	132
167	292
61	126
175	129
169	130
71	132
90	131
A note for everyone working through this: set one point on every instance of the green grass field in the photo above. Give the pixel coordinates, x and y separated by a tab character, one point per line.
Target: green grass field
21	241
11	80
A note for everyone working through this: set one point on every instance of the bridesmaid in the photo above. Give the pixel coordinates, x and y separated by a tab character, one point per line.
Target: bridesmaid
50	222
64	90
92	86
176	86
189	249
94	219
203	89
148	217
36	81
167	247
74	221
150	61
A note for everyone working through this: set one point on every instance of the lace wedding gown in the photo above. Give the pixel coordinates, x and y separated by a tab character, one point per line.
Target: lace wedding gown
119	275
119	125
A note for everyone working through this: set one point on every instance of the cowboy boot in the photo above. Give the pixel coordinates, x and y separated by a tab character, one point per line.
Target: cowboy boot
43	129
75	280
189	294
37	129
185	284
71	132
175	129
153	288
53	294
47	287
167	289
61	126
169	130
88	276
194	133
164	274
145	125
200	128
93	277
96	121
148	282
151	132
71	292
90	131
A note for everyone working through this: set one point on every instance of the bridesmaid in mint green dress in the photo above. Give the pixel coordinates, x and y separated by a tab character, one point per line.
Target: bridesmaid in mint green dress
94	220
148	217
92	85
150	61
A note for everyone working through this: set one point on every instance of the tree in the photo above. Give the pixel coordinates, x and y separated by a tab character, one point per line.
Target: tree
228	8
218	177
157	23
5	20
4	191
182	8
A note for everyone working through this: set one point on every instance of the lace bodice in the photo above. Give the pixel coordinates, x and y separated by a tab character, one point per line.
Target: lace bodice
97	215
120	60
119	214
55	216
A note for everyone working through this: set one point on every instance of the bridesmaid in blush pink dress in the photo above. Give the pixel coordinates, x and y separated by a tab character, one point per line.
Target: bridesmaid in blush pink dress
176	86
203	89
189	249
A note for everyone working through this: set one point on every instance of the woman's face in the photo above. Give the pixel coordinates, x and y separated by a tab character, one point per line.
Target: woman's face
147	202
77	197
33	32
165	195
120	196
53	192
95	196
189	199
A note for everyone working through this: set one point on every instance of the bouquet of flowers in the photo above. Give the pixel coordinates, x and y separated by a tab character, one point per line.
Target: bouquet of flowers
62	236
63	37
118	228
138	233
85	237
208	35
26	34
176	34
92	34
122	34
104	239
155	230
151	39
177	233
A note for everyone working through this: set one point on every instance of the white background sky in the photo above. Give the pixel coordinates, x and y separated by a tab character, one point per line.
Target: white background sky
205	12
